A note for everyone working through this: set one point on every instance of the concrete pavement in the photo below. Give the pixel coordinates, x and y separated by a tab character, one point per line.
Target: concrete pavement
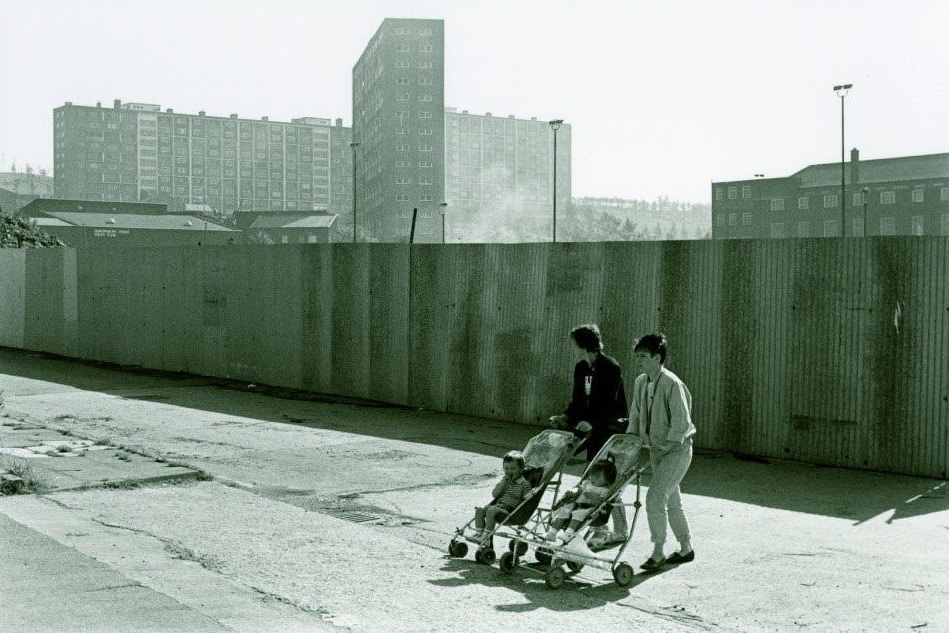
327	513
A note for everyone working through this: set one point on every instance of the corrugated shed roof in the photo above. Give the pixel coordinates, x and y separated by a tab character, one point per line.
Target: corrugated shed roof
59	205
130	221
284	220
878	170
50	222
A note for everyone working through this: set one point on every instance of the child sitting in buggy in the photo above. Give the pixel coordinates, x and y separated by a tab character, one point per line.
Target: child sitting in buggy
508	494
575	506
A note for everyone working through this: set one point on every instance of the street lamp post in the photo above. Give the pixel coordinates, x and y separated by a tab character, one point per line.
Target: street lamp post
354	145
441	211
866	196
841	92
555	125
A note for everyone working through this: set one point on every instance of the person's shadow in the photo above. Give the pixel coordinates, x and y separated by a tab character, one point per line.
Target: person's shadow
590	588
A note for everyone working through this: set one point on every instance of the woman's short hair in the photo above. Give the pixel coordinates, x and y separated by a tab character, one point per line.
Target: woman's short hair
654	344
587	337
515	456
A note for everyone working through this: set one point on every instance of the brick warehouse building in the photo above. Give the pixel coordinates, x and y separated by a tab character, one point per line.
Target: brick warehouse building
399	125
135	152
891	196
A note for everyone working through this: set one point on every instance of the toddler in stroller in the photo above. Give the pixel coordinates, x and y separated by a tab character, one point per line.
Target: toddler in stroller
513	512
576	505
508	494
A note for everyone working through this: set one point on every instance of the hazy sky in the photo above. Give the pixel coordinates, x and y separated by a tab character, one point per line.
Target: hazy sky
663	96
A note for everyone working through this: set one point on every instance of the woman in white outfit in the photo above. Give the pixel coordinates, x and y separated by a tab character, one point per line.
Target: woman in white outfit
661	416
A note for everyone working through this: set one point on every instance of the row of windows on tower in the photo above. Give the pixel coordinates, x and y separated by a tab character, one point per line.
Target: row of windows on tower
422	81
423	48
859	198
404	30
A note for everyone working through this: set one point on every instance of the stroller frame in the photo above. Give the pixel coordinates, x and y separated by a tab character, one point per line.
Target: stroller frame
554	556
525	522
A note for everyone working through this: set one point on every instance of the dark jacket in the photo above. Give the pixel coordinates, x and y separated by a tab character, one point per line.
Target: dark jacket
606	403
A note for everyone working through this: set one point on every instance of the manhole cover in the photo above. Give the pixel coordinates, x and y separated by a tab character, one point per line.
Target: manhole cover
355	516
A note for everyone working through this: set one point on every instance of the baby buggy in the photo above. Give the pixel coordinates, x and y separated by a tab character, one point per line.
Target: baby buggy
625	452
545	456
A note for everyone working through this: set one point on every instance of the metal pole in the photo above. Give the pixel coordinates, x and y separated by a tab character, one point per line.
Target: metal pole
412	232
843	187
555	125
841	91
442	208
354	145
555	184
866	196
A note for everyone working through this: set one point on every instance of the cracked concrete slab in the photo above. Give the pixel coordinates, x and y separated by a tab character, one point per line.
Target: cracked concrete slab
59	460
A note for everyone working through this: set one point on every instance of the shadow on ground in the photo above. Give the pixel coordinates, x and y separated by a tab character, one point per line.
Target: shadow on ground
579	593
838	492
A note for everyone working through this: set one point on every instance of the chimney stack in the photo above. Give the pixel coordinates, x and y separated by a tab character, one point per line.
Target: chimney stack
117	104
854	166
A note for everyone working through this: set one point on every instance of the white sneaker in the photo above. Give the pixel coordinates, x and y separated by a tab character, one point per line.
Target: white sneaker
552	534
579	546
477	535
606	540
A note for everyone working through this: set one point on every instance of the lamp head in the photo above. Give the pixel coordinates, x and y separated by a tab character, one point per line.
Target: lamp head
555	124
842	89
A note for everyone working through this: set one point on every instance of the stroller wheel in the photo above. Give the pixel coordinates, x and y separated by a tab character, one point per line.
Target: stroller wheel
574	566
543	556
508	562
554	577
485	555
521	547
623	574
458	549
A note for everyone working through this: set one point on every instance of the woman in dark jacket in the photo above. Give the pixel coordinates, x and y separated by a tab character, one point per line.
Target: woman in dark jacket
598	402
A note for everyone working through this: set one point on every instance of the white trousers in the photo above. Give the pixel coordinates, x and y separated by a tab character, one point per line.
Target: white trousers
663	500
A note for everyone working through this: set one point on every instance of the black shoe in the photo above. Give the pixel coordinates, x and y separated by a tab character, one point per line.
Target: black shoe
653	565
678	559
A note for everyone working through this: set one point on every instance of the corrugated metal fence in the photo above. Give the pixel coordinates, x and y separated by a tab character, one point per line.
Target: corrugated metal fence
822	350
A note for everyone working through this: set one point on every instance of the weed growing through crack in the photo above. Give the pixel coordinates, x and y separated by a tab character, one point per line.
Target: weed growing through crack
182	552
18	467
122	485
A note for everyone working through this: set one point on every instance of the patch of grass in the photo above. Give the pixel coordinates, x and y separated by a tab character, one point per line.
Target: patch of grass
180	551
103	442
19	467
122	485
64	448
